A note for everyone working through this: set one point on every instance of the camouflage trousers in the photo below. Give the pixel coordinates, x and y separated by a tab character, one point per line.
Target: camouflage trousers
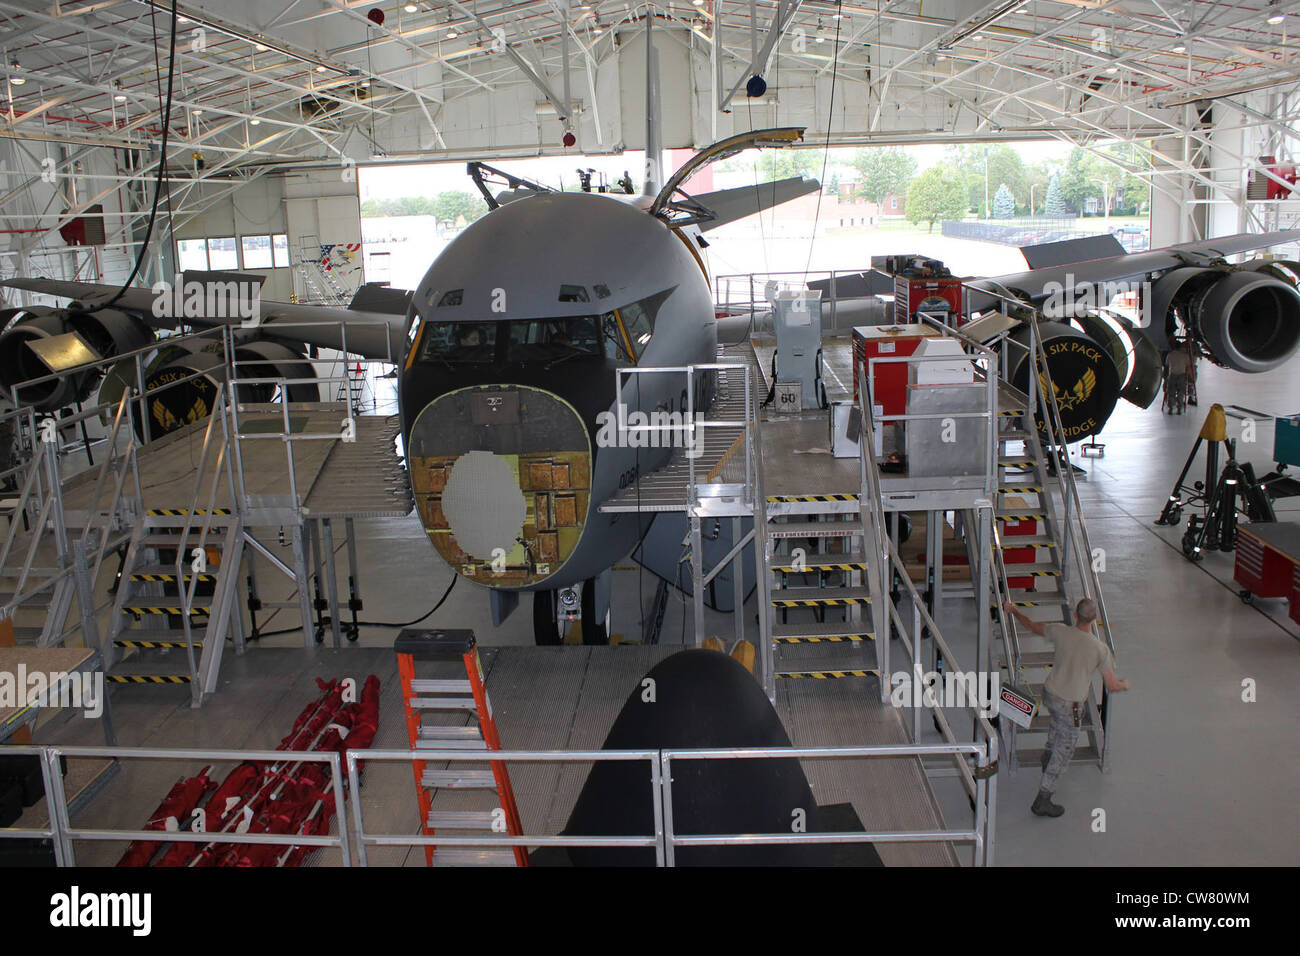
1062	736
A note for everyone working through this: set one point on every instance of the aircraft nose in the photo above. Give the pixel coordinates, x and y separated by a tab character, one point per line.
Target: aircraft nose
502	479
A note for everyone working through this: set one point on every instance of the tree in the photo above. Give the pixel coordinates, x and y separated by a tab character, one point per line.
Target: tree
883	172
771	164
453	204
1054	203
938	193
1004	204
983	165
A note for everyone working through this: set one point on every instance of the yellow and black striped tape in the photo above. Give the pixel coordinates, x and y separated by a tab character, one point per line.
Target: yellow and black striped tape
185	512
1021	516
163	610
1026	603
1036	574
1022	490
155	644
826	675
817	640
148	679
1010	543
818	566
818	602
775	499
171	577
1011	413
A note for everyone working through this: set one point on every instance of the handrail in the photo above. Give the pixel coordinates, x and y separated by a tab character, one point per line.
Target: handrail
890	564
187	592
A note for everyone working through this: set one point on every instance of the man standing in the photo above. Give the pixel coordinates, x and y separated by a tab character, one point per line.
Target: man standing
1079	652
1178	370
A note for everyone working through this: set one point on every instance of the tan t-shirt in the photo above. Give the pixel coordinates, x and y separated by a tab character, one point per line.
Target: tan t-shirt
1078	654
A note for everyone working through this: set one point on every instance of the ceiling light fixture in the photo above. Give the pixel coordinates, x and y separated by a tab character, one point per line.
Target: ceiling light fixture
1277	18
410	8
1112	69
452	34
321	68
260	47
120	98
254	122
1180	49
197	112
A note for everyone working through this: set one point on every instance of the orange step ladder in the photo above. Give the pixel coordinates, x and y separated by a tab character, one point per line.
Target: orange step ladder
427	697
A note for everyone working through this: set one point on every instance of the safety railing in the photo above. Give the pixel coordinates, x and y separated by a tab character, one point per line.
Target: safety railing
979	782
63	834
693	421
663	838
746	294
1076	541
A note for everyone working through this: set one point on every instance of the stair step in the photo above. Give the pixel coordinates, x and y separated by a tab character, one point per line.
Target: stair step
813	529
148	678
160	572
819	597
450	738
185	512
1013	434
1021	516
157	645
459	779
473	856
1016	489
850	561
1010	541
442	703
814	632
461	819
1024	569
425	686
172	539
163	634
1035	659
1008	461
146	604
803	673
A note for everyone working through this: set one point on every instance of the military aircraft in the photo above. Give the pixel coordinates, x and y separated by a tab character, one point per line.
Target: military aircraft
507	350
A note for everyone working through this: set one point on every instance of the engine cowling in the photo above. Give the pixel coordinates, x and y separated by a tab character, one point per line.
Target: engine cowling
105	333
1245	319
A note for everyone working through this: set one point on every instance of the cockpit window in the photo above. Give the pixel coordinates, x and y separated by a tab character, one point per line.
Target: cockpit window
573	293
451	297
536	340
460	342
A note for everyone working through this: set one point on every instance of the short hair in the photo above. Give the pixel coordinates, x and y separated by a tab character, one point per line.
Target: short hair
1086	611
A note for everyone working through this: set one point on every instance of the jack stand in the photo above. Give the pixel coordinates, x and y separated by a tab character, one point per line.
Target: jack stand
1213	433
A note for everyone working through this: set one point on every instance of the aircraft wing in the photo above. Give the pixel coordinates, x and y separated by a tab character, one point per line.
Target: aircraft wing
376	333
1037	284
728	205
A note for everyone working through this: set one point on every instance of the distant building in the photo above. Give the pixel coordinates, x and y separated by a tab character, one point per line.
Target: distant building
894	205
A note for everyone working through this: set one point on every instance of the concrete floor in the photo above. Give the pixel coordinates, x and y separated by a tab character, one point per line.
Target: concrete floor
1198	776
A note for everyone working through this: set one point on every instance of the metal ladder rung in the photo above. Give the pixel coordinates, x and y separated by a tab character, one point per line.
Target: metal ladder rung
459	779
473	856
442	703
426	686
461	819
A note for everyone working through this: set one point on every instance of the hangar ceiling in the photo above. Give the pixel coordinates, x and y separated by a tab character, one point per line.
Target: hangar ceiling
264	85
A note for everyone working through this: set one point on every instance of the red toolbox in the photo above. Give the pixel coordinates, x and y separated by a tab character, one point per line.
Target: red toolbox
1265	558
889	389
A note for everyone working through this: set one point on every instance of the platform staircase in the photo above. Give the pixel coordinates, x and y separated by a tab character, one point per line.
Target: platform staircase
816	595
1043	563
176	599
461	799
321	284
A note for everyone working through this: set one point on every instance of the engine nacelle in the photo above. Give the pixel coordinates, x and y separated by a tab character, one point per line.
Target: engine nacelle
1246	319
105	333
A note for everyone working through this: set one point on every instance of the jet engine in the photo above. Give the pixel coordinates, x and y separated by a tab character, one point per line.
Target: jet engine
42	341
1246	319
187	377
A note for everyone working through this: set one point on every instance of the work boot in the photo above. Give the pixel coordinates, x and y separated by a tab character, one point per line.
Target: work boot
1044	807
